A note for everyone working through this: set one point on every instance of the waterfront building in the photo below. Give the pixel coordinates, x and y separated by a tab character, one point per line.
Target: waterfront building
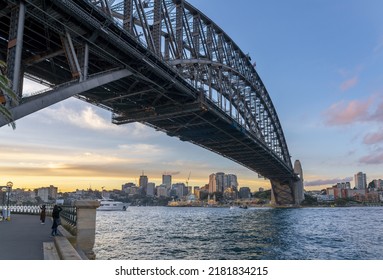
47	193
378	184
196	189
125	186
197	192
180	189
131	190
324	198
150	189
162	191
231	180
360	180
357	194
220	181
334	192
212	183
343	185
244	193
230	193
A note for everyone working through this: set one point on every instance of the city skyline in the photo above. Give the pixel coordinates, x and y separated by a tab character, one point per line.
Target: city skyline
324	78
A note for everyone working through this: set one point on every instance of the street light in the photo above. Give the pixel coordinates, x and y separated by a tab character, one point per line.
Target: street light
7	189
3	210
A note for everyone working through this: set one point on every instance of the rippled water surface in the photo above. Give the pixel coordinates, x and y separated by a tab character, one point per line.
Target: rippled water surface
146	233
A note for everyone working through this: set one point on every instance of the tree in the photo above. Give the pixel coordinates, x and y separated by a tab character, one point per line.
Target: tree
371	185
5	90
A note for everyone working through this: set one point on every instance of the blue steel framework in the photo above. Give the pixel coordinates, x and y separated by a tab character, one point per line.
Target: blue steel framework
159	62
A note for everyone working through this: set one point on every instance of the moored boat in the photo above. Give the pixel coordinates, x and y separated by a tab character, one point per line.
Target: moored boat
111	205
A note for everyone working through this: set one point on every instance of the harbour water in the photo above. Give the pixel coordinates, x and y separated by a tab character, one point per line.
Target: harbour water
148	233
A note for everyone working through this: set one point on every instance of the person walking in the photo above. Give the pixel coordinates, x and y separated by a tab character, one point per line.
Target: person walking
56	219
42	214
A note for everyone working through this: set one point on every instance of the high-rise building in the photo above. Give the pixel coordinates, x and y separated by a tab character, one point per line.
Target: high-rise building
143	181
167	180
180	189
378	184
231	181
343	185
150	189
212	183
360	180
220	181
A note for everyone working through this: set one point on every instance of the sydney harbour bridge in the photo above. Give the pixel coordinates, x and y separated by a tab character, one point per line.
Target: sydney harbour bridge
162	63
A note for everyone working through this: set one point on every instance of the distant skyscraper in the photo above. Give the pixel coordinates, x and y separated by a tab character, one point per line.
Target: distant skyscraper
143	181
231	181
167	180
212	183
220	181
360	180
180	189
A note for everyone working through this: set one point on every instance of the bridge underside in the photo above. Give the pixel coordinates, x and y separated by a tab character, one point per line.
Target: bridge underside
69	42
202	124
205	126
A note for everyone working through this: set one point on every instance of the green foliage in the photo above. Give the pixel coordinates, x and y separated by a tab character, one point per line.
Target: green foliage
263	195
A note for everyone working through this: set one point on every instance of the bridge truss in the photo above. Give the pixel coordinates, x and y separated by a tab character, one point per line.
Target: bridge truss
159	62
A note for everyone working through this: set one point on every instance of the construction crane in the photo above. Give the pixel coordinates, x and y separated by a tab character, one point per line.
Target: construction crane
187	182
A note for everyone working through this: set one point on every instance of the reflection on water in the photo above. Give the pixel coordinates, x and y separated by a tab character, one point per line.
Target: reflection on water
222	233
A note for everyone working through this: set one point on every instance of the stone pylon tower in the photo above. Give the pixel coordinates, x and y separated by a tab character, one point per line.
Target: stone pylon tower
298	186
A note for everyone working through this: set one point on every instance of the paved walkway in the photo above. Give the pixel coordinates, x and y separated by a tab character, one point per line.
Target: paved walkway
22	237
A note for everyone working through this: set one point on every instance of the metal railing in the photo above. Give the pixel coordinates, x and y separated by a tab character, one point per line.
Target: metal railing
69	213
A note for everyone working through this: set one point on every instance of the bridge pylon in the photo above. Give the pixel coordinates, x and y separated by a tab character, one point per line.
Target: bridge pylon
288	192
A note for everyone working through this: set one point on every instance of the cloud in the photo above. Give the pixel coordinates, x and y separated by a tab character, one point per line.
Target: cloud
350	83
344	113
143	149
373	158
173	173
378	114
373	138
86	116
322	182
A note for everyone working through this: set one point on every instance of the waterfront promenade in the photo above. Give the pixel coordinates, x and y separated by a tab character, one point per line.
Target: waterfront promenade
22	237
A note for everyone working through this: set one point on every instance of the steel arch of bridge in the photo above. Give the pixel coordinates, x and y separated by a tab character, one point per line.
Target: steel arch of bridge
183	74
208	59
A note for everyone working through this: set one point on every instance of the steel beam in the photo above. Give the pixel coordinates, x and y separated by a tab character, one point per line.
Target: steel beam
36	103
15	47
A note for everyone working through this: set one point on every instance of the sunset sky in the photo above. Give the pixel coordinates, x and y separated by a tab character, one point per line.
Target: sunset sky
321	61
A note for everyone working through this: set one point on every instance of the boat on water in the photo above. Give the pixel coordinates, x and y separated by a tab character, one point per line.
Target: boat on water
107	204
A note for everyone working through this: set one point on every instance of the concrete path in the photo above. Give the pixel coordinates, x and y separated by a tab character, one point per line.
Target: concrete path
22	237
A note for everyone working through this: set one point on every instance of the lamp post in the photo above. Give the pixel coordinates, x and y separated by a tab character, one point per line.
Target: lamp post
3	192
8	188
